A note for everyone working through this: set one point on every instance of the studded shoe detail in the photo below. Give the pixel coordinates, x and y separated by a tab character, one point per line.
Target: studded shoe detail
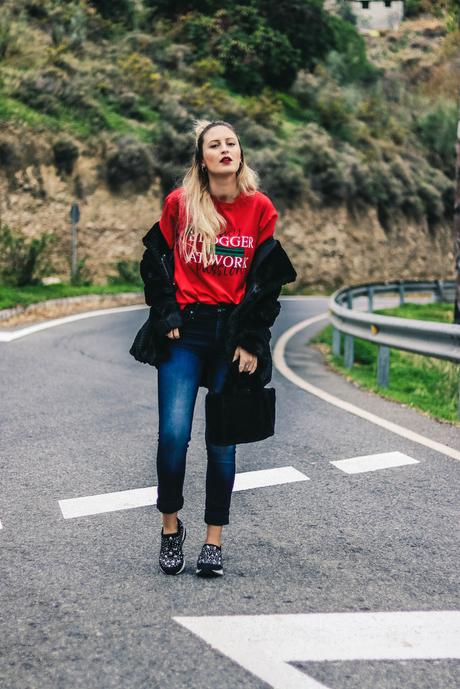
209	561
171	558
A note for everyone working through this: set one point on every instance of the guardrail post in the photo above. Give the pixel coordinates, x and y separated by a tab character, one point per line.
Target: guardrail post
401	293
349	300
440	297
349	351
383	366
336	341
370	299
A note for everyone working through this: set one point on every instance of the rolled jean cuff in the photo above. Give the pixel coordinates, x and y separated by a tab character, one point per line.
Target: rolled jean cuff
216	519
169	506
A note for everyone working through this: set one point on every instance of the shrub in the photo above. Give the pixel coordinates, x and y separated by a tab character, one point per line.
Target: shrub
141	75
253	134
253	54
131	164
437	130
128	274
44	90
334	113
281	180
264	109
352	49
65	154
82	276
206	68
305	88
172	111
6	37
333	170
116	10
10	157
23	261
173	154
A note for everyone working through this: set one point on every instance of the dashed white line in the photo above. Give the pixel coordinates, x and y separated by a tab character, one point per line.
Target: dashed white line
383	460
142	497
267	477
281	365
108	502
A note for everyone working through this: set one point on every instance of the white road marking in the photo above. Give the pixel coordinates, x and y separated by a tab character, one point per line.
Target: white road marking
108	502
1	525
383	460
142	497
267	477
9	336
265	644
281	365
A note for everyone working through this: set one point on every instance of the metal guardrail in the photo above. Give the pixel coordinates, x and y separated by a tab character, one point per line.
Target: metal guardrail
428	338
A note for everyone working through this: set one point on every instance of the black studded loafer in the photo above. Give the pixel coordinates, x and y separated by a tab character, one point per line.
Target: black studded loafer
209	563
171	558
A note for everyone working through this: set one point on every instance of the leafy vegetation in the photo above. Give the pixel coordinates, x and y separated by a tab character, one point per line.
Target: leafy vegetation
425	383
23	261
318	115
23	296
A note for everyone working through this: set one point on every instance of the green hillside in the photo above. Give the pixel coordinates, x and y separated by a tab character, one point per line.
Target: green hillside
324	114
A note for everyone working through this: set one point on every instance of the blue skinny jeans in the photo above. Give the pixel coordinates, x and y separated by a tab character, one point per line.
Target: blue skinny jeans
200	345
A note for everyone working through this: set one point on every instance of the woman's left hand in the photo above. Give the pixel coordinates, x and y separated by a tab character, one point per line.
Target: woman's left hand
248	361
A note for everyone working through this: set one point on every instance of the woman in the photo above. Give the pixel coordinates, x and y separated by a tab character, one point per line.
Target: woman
214	238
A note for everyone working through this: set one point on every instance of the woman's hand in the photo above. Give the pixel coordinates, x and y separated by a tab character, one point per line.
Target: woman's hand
248	362
173	334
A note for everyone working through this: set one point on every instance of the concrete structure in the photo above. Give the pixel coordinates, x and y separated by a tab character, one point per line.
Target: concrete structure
374	14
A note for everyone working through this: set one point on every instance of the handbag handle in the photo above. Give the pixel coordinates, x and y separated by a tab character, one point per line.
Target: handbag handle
241	380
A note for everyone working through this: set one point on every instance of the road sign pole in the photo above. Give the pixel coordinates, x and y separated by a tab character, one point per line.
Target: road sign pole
74	218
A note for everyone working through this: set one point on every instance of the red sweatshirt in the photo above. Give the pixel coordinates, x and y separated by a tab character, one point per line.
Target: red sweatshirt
250	220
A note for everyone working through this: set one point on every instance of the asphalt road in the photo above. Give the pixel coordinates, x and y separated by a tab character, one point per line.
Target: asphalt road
83	603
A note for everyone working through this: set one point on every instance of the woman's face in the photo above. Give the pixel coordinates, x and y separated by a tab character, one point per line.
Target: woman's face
221	151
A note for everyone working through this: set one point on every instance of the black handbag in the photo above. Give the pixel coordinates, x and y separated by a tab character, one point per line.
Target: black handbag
242	412
143	348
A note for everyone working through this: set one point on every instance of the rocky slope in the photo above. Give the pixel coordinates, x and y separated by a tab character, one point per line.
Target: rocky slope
329	245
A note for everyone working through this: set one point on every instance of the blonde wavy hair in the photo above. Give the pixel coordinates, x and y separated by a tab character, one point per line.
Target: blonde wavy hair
202	219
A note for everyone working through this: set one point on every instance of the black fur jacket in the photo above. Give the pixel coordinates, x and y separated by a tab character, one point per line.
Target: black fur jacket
247	326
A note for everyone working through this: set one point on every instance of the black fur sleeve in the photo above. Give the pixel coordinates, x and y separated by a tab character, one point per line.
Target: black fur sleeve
255	329
165	313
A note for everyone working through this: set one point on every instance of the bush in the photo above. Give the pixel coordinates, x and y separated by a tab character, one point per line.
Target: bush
116	10
82	276
65	154
45	90
253	134
132	164
252	53
437	131
333	169
173	154
281	180
128	274
22	261
141	75
10	157
6	37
